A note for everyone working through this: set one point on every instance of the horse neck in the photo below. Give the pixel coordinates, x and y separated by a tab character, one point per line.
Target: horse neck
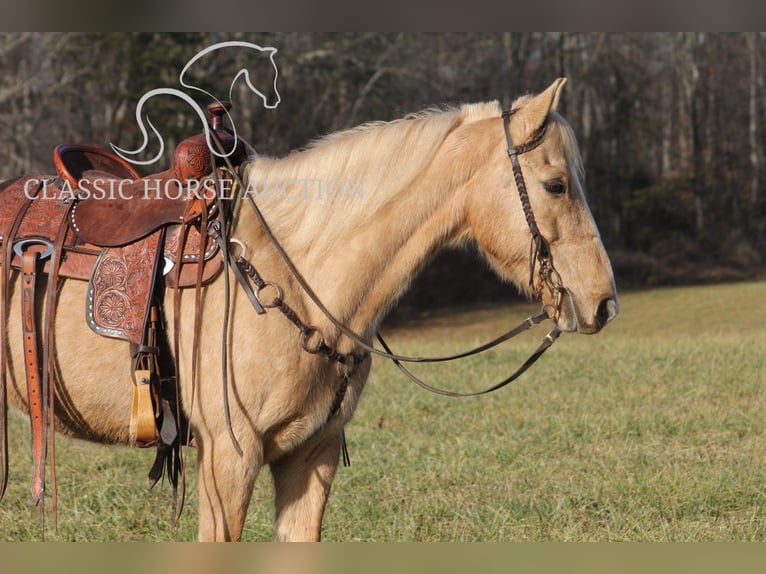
360	256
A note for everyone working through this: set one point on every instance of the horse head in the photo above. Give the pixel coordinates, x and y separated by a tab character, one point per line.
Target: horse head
580	284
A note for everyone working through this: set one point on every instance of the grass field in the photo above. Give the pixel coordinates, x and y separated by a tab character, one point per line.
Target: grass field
653	430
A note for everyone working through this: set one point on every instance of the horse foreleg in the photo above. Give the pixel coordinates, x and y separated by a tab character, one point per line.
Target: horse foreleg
302	483
226	482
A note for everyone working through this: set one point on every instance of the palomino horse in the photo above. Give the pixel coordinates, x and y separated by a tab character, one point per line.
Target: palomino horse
417	184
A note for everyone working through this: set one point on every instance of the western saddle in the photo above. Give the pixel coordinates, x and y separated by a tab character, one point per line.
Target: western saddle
129	237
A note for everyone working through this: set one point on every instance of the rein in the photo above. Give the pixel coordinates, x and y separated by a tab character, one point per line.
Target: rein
312	340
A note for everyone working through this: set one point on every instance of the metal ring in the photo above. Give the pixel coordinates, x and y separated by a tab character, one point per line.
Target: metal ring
19	246
553	309
276	301
306	334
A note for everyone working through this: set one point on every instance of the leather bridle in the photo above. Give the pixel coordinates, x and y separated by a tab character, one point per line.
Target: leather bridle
540	251
541	261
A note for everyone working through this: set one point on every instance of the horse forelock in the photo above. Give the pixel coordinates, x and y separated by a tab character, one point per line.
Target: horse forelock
564	138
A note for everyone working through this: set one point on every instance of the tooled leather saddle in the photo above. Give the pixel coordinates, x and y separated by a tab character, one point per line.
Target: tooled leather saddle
129	237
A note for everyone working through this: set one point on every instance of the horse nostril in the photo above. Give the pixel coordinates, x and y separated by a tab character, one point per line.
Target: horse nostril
607	310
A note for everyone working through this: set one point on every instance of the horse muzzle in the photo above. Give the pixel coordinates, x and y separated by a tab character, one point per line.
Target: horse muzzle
572	318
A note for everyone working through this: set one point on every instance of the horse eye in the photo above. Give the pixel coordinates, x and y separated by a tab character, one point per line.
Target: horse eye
555	187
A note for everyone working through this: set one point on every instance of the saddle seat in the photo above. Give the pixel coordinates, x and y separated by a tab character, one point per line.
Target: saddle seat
117	207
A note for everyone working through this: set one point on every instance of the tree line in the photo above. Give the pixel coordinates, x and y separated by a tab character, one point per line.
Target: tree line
671	125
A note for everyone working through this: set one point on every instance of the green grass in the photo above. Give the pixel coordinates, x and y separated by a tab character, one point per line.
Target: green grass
653	430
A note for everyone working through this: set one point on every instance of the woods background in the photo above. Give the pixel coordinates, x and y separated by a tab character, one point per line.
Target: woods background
671	125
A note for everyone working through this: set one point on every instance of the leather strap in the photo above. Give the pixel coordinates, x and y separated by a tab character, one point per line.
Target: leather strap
546	343
5	281
220	232
36	392
49	356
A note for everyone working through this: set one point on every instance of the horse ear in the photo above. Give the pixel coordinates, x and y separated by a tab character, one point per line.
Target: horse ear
533	111
557	86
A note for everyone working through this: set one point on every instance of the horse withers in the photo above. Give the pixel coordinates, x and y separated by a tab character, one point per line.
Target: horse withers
360	212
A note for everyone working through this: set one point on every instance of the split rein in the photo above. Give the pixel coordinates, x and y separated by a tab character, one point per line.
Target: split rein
312	340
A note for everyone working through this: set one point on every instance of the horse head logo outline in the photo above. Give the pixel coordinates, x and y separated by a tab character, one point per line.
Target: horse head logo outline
128	155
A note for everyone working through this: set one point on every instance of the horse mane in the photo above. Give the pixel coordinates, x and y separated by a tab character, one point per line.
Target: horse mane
349	175
373	161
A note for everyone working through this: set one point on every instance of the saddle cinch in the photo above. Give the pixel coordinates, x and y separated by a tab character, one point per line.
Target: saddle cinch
130	237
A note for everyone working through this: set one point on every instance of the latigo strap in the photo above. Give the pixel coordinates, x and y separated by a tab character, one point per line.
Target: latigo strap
35	390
